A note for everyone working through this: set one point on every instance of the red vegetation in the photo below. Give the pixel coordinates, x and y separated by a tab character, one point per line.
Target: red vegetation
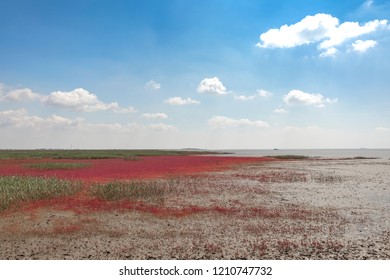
119	169
146	167
80	204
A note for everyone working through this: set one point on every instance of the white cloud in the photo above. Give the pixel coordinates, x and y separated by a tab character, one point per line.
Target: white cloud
81	100
372	8
153	85
320	28
19	95
154	116
20	118
263	93
122	110
280	111
11	117
181	101
331	52
298	97
244	97
308	30
221	121
349	30
162	127
368	4
259	93
127	128
363	46
212	86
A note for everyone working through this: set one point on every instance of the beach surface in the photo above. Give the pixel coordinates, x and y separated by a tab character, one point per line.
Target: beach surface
283	209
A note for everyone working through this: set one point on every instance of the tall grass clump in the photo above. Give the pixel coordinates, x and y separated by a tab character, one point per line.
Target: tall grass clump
17	189
57	165
144	190
328	178
132	158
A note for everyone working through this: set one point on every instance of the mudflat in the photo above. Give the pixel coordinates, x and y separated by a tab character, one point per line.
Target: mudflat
285	209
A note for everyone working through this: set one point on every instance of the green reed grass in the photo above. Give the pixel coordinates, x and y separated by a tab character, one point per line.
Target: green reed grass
57	165
17	189
145	190
93	154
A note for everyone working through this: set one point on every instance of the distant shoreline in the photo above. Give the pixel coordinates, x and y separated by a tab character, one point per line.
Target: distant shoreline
322	153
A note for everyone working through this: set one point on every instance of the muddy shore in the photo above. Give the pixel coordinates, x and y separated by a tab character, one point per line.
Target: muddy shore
305	209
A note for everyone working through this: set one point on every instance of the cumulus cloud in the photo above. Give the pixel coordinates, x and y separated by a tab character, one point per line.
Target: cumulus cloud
78	99
122	110
244	97
181	101
331	52
20	95
349	30
153	85
222	121
308	30
298	97
212	86
154	116
263	93
259	93
363	46
320	28
11	117
21	119
81	100
280	111
162	127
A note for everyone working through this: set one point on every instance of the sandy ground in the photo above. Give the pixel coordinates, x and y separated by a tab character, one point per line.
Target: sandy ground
310	209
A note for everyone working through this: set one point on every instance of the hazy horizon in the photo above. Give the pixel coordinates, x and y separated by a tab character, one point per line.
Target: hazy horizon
195	74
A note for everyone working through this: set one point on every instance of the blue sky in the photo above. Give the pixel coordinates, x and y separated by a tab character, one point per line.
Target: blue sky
203	74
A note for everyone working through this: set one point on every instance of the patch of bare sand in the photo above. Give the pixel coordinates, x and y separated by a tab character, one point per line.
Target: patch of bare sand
313	209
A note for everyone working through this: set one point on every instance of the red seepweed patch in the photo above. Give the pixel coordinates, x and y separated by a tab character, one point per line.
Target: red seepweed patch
146	167
102	170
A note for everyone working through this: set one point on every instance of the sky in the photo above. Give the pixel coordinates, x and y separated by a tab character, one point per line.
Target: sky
215	74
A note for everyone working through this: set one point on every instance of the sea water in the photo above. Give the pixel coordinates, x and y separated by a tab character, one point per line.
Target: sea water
322	153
